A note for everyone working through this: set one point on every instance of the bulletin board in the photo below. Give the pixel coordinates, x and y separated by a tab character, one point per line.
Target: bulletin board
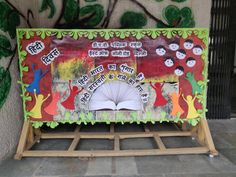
115	75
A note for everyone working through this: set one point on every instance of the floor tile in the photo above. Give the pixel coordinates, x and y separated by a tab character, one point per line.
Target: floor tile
62	166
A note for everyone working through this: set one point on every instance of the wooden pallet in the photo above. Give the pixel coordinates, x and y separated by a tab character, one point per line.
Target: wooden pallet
29	136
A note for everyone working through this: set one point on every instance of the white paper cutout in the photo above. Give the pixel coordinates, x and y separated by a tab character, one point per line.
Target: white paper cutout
111	67
161	51
126	69
120	53
135	44
97	70
174	46
121	77
191	62
100	45
140	77
197	50
188	44
99	81
83	80
115	95
181	54
35	47
49	58
140	53
85	98
118	44
98	53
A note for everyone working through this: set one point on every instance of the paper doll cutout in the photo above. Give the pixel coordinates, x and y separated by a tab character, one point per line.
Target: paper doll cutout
69	103
191	62
160	50
160	99
188	44
195	87
197	50
175	102
35	112
179	71
181	54
192	112
169	62
174	46
51	109
35	83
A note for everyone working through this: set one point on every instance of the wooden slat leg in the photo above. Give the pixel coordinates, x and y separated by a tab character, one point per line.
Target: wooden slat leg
159	142
75	140
22	141
146	129
116	143
112	128
208	138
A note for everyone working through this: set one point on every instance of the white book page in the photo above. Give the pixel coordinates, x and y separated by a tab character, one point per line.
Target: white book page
131	105
98	105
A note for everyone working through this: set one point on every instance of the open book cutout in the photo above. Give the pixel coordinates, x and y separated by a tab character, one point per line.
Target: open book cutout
116	95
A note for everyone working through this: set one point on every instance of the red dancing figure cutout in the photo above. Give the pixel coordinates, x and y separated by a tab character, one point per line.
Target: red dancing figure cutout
69	103
160	99
52	107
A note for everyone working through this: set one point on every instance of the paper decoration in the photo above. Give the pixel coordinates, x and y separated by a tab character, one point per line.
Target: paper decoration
113	75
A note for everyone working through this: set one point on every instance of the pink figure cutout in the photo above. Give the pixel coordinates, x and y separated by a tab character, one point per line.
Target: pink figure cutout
69	103
160	99
51	109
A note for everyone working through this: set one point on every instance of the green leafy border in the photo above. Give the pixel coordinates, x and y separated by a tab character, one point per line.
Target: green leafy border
201	33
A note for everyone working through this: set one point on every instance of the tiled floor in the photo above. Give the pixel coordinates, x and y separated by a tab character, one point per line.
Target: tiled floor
224	135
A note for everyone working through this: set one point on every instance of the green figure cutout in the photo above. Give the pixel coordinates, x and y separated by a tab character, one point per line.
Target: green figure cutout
195	87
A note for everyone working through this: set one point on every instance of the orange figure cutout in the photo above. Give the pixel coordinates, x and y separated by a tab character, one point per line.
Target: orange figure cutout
69	103
52	107
160	99
192	112
36	110
175	102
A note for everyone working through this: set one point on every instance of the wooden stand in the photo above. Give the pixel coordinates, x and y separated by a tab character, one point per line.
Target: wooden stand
29	136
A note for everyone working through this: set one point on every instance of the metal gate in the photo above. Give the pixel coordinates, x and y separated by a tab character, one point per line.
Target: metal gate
221	57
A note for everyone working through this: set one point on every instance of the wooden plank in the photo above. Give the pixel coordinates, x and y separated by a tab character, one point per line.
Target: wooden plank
159	142
99	135
146	129
117	143
30	145
110	153
208	138
75	140
22	141
74	143
30	138
112	127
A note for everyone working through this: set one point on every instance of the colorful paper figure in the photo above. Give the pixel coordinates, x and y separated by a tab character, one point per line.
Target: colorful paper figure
188	44
51	109
161	50
160	99
175	102
196	89
174	46
69	103
192	112
35	83
35	112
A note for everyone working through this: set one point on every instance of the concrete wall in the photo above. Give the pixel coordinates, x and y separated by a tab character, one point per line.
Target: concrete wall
11	117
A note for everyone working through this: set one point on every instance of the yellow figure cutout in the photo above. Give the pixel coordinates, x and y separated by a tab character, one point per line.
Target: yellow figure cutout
36	110
175	102
192	112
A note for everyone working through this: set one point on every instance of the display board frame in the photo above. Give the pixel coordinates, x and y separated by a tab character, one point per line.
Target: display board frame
106	34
